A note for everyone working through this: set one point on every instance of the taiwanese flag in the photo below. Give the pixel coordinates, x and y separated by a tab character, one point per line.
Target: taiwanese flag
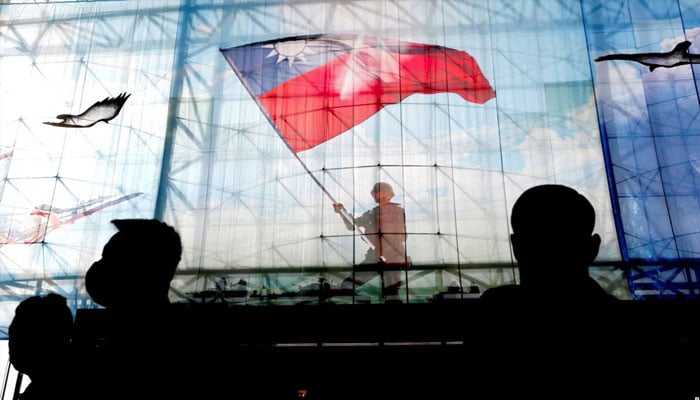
314	88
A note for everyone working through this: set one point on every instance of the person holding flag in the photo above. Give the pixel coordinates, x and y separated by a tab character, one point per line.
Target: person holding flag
384	229
314	88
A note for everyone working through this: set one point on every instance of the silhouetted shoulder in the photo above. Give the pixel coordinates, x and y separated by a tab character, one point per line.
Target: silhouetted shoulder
504	292
590	291
597	293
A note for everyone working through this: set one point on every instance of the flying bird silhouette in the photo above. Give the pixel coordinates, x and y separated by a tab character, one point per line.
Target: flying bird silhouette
678	56
104	110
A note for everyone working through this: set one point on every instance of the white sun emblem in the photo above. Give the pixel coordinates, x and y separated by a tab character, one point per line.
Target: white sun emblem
291	51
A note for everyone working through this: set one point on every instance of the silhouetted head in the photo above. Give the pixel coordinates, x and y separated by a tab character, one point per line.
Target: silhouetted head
382	191
40	334
553	234
137	265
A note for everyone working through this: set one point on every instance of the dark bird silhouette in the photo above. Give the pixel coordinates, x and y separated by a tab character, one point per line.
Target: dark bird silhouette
678	56
104	110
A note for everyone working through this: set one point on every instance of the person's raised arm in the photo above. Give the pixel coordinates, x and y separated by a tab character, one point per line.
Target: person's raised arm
345	216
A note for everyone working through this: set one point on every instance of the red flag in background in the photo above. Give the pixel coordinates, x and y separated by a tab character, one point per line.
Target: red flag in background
314	88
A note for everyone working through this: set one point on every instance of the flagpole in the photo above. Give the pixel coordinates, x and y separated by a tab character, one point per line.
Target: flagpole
343	212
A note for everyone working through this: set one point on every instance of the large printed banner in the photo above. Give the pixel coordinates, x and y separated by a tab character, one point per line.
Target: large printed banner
242	123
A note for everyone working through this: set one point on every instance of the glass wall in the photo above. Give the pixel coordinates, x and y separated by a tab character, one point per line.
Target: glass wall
242	123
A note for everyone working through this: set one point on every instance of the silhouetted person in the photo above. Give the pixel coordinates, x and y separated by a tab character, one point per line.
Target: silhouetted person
554	245
384	227
132	281
556	320
137	265
39	346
